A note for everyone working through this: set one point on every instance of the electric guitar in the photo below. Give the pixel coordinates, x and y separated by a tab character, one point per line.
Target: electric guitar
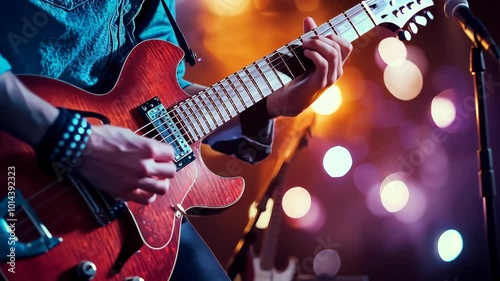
263	265
61	228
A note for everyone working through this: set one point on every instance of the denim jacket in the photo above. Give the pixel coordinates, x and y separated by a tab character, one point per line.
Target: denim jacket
82	42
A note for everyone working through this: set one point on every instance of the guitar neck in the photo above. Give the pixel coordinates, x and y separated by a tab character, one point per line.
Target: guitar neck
211	108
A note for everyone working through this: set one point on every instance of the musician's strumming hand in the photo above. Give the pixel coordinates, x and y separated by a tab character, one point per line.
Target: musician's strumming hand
328	54
128	166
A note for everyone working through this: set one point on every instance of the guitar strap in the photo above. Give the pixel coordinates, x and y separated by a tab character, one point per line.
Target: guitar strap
189	55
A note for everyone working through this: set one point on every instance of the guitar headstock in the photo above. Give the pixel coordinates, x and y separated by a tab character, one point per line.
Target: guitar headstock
402	16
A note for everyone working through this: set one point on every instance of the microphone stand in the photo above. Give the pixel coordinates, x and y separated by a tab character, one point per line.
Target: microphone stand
486	173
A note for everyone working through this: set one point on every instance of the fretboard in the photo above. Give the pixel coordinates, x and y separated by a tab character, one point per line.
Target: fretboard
204	112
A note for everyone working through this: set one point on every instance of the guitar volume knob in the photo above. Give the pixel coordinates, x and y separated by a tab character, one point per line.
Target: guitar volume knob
86	270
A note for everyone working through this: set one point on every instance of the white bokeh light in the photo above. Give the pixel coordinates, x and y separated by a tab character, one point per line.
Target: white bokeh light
329	101
392	50
394	195
296	202
337	161
450	245
443	111
404	80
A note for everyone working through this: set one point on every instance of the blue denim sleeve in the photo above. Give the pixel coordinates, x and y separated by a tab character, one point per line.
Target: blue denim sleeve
4	65
153	23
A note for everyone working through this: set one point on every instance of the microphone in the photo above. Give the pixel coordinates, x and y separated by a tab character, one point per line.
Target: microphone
473	27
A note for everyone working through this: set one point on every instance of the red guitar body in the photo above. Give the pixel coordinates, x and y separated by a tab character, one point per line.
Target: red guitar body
149	71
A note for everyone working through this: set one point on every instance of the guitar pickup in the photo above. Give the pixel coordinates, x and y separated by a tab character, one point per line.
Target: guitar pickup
166	129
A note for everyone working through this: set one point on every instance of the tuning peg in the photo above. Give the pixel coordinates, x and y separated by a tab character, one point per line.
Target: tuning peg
404	35
420	20
429	15
413	27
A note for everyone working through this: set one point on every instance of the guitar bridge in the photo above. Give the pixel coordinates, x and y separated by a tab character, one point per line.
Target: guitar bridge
167	130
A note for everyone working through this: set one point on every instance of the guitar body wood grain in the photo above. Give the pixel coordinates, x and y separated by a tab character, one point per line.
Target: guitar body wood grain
149	71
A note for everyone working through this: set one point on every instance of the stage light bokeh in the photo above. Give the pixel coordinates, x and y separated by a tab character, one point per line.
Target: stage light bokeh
394	195
392	51
296	202
450	245
403	80
337	161
443	111
329	101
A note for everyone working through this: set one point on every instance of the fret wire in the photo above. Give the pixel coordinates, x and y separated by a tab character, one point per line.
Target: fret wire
188	129
266	70
209	110
253	81
332	27
356	17
182	129
323	29
344	28
360	19
298	59
243	89
236	92
286	65
369	12
244	86
197	116
217	108
254	90
191	116
219	98
263	76
349	20
229	98
275	73
233	95
203	115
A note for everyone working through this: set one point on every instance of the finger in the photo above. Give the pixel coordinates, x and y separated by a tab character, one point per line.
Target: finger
317	80
309	24
160	151
345	46
331	63
330	50
139	196
151	168
154	186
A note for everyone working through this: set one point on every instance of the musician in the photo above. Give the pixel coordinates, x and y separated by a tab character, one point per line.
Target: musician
84	42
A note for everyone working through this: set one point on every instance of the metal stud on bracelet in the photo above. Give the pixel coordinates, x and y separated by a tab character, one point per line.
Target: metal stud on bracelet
65	141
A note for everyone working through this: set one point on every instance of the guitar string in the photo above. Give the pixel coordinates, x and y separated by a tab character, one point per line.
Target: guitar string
199	129
355	11
312	33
